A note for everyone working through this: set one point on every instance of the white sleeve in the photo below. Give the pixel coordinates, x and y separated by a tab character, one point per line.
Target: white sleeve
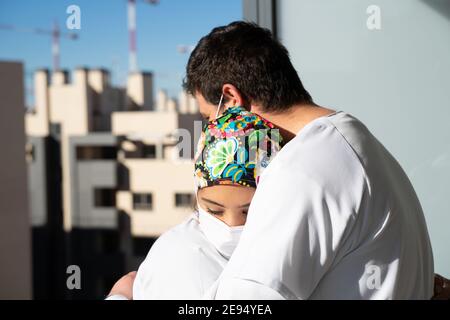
116	297
170	271
293	230
138	289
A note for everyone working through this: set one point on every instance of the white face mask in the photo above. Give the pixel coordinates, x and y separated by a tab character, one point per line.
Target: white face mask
222	236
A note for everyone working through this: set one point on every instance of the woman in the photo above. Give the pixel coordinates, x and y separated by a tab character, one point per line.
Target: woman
186	260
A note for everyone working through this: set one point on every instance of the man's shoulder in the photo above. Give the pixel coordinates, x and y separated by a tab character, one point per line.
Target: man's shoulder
332	135
320	152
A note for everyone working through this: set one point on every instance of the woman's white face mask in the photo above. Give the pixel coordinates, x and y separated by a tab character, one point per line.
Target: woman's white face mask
222	236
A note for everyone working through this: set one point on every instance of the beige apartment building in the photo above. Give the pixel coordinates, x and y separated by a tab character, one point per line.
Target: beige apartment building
106	164
143	133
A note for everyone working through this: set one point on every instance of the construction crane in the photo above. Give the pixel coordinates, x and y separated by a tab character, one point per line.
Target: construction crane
133	67
55	33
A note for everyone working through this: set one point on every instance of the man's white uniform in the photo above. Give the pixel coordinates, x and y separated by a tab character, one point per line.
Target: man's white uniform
334	217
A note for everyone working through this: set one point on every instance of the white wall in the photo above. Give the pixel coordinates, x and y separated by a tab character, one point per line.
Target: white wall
396	80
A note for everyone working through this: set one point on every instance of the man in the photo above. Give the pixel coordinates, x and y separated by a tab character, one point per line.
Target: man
335	216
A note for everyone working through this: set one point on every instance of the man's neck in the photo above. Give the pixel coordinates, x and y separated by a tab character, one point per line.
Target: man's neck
291	121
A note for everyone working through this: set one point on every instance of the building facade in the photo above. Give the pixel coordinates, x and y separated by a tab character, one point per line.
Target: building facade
107	175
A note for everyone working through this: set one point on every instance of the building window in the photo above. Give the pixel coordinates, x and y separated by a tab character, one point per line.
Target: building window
142	201
123	177
55	130
104	197
141	151
96	152
184	200
30	152
149	151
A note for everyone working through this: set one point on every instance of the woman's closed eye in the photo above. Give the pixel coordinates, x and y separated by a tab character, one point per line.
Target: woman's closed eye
218	212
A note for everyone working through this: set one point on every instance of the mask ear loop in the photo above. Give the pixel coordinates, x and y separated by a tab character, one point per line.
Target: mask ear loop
219	106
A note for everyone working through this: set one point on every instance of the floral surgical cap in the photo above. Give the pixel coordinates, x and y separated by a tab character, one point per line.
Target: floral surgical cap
234	149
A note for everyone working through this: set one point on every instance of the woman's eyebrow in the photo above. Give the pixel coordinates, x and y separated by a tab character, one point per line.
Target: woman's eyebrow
245	205
213	202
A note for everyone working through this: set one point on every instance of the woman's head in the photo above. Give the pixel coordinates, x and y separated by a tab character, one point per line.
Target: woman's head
231	154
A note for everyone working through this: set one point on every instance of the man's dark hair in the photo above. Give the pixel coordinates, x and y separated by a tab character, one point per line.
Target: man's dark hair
250	58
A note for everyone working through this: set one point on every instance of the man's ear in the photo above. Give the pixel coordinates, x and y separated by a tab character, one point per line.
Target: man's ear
232	95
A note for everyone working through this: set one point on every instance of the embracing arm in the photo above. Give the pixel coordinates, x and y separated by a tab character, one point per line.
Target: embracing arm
123	288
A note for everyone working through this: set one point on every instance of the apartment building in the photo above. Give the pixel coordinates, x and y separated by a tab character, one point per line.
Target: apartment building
106	173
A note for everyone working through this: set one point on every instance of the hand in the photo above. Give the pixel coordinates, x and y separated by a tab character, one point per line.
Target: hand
124	286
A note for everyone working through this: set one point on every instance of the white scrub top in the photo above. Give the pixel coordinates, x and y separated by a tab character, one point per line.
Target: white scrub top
181	265
334	217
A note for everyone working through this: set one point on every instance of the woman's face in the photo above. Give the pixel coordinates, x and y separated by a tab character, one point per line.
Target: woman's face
227	202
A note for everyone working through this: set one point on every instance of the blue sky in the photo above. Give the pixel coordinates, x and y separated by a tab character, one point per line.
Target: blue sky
103	38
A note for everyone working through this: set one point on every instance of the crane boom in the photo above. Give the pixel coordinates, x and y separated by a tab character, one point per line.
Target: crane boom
55	33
